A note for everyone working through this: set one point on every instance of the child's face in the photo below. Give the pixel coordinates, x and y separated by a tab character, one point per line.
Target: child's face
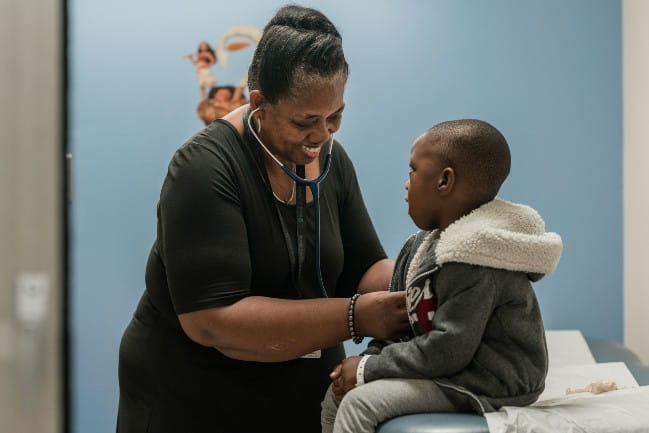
426	166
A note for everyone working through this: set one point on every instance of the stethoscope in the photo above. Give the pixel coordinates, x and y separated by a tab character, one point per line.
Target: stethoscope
300	203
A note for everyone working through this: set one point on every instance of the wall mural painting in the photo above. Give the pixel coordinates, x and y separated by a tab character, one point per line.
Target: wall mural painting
218	100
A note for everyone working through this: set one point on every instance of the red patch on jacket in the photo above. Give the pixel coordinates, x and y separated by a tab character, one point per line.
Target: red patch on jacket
422	304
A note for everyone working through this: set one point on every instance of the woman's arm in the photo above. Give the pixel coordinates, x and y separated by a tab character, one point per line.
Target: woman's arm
266	329
377	277
272	330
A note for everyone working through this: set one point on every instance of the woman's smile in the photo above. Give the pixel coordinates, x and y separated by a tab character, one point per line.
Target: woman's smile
312	152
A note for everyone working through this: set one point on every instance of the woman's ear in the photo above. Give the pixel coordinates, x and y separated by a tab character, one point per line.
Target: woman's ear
446	181
256	99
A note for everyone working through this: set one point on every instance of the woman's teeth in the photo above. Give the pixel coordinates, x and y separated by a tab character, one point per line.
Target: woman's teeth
312	150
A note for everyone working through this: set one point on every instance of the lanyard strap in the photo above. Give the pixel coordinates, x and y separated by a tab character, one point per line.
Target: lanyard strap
296	265
296	260
300	229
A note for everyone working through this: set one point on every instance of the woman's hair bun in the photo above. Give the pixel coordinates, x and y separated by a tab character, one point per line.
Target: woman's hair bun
302	18
297	44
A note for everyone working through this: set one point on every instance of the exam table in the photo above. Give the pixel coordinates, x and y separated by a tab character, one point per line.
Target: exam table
602	351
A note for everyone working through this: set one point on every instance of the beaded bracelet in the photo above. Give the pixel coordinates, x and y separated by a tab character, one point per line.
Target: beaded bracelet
350	319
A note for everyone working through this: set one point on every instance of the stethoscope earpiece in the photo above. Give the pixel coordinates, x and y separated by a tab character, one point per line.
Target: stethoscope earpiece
259	126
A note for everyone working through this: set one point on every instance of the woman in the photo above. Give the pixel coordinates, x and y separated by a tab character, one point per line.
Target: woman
233	333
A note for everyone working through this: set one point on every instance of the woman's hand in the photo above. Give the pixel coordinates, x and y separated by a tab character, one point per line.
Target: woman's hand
344	376
382	315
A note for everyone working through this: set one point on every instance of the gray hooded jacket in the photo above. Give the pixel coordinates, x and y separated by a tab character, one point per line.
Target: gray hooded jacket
477	325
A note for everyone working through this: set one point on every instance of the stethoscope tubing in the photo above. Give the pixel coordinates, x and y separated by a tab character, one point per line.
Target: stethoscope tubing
313	185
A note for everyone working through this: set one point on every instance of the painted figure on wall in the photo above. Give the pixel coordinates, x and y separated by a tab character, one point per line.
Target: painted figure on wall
220	101
204	59
217	101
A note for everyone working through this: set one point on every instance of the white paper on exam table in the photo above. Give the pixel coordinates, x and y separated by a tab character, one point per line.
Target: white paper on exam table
627	409
623	411
579	376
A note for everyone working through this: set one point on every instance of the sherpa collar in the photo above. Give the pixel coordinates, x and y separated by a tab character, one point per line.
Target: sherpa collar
502	235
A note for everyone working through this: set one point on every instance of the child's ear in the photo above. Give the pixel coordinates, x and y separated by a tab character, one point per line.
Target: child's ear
446	181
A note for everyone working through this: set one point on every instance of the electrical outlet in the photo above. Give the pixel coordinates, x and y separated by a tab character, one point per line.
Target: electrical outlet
32	298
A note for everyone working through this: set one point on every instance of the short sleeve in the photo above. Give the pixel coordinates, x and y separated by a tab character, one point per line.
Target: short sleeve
361	244
201	232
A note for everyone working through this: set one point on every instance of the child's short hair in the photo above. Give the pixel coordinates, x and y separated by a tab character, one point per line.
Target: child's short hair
477	151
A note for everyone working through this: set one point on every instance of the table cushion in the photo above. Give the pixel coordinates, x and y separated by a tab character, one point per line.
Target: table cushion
436	423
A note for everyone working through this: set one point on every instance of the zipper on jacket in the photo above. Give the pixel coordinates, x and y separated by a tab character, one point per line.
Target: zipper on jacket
423	274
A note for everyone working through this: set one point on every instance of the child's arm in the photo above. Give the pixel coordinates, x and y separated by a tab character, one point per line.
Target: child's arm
344	376
466	299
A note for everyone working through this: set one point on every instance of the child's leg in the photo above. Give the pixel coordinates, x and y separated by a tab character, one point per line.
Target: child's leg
365	407
328	414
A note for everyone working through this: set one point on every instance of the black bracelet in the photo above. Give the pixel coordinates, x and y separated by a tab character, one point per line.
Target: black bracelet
350	319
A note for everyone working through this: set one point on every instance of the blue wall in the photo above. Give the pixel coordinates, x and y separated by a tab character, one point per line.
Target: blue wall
547	74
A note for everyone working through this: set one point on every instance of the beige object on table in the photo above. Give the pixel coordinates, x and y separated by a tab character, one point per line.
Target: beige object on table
595	388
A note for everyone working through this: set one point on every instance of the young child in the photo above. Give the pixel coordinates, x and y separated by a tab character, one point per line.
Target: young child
479	341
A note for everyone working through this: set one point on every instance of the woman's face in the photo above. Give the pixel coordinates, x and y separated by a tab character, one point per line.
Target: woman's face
295	129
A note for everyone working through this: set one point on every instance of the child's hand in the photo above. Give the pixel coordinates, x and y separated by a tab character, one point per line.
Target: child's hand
344	376
336	381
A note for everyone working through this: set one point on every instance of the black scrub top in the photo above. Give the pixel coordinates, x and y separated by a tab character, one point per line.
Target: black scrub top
220	239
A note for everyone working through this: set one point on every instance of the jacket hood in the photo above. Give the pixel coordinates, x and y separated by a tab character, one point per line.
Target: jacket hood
502	235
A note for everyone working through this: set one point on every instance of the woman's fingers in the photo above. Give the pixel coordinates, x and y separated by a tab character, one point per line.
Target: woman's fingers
382	315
